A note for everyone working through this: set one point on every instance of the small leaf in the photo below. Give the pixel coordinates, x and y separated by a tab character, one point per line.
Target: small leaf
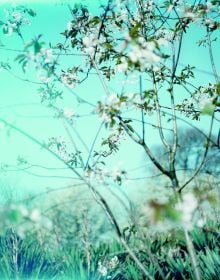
130	127
31	12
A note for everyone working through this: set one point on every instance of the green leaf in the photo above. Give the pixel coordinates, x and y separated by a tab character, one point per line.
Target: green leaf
134	32
37	47
130	127
208	109
218	88
5	29
31	12
15	216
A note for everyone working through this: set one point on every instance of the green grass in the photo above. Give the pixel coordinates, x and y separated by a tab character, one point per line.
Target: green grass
31	259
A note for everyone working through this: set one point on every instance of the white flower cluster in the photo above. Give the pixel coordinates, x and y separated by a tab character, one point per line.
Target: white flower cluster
47	55
103	175
44	56
197	13
143	53
103	270
122	66
39	61
69	26
165	34
91	42
15	19
43	76
205	96
149	5
69	79
105	107
103	267
189	15
117	174
210	23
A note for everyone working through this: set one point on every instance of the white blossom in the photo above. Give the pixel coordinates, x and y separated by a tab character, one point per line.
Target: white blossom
149	5
69	26
113	262
23	210
135	53
105	117
166	34
47	55
162	41
116	173
89	43
170	8
209	6
209	22
123	66
10	28
113	99
200	222
68	113
144	54
35	215
69	79
187	208
190	15
123	15
43	76
102	269
17	16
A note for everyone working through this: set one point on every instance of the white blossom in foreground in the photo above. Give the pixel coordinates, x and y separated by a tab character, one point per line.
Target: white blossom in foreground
35	215
123	66
144	54
113	99
47	55
102	269
106	118
89	43
187	208
113	262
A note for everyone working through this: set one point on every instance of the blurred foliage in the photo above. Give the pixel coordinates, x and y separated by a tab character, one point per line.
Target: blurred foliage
28	258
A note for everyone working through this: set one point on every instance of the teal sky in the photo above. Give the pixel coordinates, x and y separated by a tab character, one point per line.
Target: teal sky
20	104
